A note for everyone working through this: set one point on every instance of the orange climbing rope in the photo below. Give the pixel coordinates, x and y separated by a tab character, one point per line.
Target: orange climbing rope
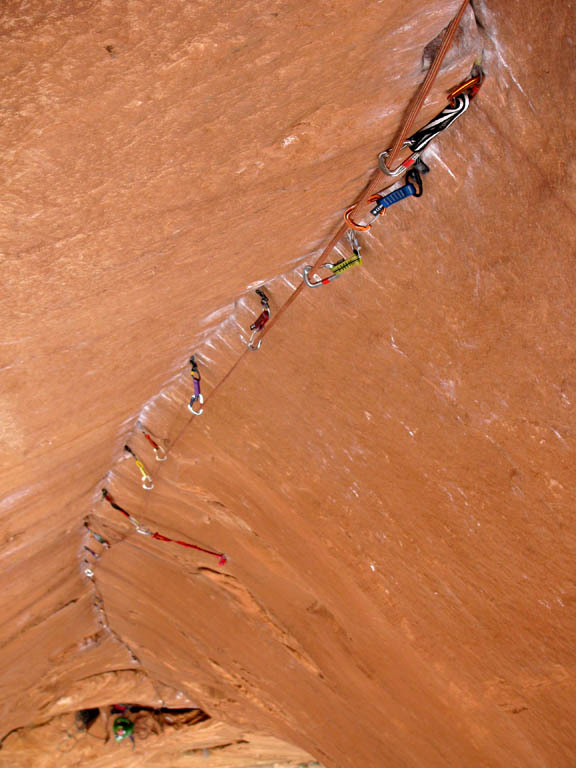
374	185
376	182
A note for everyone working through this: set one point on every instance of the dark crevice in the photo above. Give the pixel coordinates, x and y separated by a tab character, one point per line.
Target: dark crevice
477	15
431	49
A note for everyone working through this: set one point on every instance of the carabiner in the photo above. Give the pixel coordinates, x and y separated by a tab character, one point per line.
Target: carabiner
472	85
337	267
404	165
159	452
251	343
197	396
352	224
143	529
258	325
196	399
147	482
322	281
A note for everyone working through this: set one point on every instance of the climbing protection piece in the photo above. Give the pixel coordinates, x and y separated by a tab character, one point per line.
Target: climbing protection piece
159	452
459	101
147	483
139	528
145	531
258	325
99	538
337	267
197	397
412	188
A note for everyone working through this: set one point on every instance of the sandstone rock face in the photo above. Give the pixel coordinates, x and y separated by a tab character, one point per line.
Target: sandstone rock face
391	475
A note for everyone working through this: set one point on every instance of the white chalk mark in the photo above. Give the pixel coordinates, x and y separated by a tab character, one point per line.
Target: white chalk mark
436	156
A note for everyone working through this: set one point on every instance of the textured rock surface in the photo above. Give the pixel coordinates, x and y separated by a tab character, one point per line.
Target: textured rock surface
392	475
157	743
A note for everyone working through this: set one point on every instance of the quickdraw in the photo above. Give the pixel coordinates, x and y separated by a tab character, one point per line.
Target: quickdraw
147	482
139	528
145	531
338	267
459	101
412	188
197	397
159	452
258	325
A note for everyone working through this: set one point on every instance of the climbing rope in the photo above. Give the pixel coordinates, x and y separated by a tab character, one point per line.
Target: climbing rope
459	100
376	182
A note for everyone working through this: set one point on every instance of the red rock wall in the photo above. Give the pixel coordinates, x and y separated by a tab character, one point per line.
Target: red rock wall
392	475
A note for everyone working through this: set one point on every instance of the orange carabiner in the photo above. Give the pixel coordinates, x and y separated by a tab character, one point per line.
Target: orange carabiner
472	84
352	224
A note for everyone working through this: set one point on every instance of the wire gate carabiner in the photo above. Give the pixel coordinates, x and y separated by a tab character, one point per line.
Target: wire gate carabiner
197	397
258	325
337	267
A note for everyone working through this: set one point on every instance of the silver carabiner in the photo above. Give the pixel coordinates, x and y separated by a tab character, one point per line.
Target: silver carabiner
195	399
250	343
322	281
160	453
144	530
402	168
147	482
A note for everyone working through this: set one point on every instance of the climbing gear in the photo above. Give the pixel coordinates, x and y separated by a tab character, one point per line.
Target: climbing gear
197	396
459	101
147	482
412	188
472	85
98	536
145	531
354	224
258	325
91	551
139	528
464	92
222	559
123	728
404	165
426	86
159	452
337	267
